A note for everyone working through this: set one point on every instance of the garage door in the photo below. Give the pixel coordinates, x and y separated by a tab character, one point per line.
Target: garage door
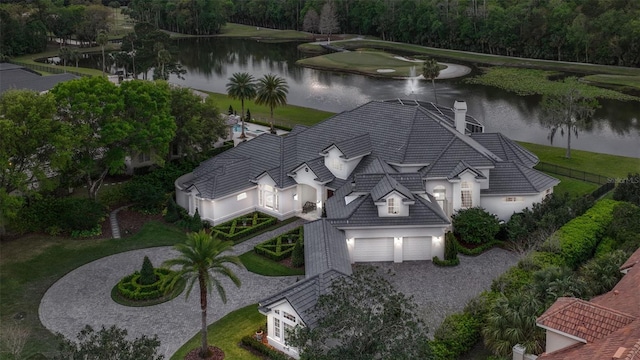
416	248
376	249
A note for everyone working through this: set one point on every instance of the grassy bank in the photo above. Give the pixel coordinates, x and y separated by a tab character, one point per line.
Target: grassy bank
227	332
537	82
363	62
30	265
611	166
288	115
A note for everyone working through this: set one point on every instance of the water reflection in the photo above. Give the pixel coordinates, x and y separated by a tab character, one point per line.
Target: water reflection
210	62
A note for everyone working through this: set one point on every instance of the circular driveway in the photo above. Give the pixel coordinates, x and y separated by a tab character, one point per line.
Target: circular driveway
83	297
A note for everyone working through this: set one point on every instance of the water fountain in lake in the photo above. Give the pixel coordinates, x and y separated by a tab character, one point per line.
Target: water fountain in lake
412	83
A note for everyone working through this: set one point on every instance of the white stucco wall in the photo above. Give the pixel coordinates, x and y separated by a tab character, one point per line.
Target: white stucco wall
279	342
383	209
556	341
333	157
503	209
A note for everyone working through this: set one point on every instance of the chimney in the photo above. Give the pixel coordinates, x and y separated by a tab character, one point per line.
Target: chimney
460	111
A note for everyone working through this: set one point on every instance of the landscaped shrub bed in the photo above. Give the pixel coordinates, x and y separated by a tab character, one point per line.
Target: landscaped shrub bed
457	334
579	238
243	226
56	216
130	287
280	247
251	342
475	225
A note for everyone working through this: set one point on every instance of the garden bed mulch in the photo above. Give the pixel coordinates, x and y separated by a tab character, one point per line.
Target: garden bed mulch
130	222
216	354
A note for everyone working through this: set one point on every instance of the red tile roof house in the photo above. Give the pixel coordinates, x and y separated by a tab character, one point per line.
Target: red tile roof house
606	327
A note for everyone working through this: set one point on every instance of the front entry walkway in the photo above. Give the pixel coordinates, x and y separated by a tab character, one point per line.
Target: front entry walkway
83	297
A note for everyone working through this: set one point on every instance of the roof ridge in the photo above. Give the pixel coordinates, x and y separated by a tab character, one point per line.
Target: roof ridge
586	303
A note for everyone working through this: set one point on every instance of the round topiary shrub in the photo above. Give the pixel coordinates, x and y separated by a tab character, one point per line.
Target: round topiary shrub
138	289
475	225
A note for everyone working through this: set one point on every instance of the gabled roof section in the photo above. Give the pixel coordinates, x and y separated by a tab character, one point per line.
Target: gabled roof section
386	185
510	178
459	149
325	249
353	147
583	319
373	165
462	167
304	295
316	165
505	148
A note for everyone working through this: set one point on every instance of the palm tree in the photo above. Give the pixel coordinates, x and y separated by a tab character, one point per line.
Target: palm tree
241	86
272	91
201	259
102	39
431	70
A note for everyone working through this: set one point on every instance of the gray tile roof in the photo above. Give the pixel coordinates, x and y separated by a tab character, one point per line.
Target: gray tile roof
363	212
461	167
304	295
391	132
17	77
506	148
386	185
354	147
510	178
325	249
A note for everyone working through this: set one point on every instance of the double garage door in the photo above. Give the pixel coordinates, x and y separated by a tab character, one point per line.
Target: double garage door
382	249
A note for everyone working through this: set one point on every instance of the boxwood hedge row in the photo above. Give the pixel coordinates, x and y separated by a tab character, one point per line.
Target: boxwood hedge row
234	230
280	247
131	288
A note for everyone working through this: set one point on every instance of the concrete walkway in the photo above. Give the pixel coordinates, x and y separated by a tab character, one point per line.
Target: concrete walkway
84	297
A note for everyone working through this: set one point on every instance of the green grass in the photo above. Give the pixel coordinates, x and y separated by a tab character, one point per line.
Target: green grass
288	115
364	62
30	265
573	187
227	332
624	82
246	31
612	166
261	265
533	81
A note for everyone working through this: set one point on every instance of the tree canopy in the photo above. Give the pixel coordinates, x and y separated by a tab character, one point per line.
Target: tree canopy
363	317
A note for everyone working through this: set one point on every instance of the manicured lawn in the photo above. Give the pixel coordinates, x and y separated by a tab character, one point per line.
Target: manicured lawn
617	80
227	332
30	265
246	31
288	115
610	166
573	186
365	62
263	266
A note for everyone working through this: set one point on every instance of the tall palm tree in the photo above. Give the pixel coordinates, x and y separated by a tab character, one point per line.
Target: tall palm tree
102	39
272	91
201	259
431	70
241	86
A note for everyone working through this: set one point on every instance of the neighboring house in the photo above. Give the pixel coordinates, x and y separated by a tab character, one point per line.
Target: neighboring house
606	327
18	77
388	175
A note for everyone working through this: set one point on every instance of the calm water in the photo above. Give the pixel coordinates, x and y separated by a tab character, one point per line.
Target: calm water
210	62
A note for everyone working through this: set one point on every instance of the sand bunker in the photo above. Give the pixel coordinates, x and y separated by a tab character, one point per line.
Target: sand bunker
385	70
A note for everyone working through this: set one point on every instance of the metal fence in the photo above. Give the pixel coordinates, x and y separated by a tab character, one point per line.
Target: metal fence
46	68
572	173
603	189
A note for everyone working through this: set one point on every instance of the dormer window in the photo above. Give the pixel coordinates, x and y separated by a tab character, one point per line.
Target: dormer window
336	164
392	206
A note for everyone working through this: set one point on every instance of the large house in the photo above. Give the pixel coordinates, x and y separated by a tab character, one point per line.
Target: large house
388	175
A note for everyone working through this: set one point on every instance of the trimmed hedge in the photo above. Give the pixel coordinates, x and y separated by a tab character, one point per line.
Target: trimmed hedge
233	230
452	262
475	225
297	257
57	216
480	249
280	247
263	349
131	288
458	333
579	238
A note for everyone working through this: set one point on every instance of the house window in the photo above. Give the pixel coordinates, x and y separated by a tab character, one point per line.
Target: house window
268	197
289	317
392	207
144	157
440	193
466	195
513	199
241	196
276	328
337	164
277	312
